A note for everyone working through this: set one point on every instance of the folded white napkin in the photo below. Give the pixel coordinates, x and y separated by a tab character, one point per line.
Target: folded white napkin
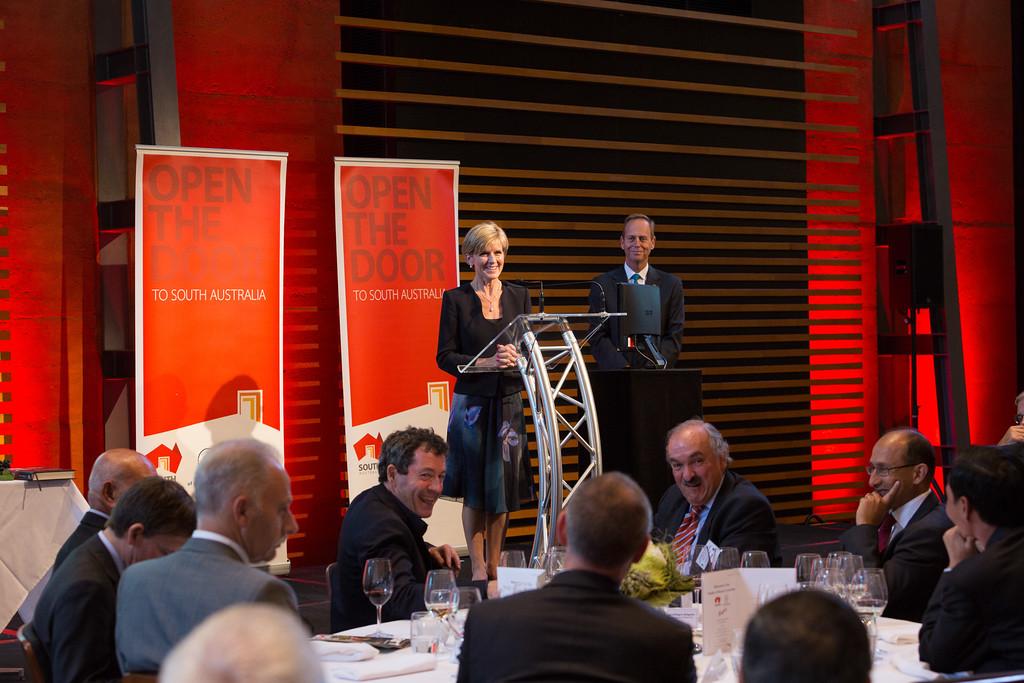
327	651
900	635
909	665
718	670
395	664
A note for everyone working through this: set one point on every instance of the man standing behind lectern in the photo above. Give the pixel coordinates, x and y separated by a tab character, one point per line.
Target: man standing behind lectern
637	242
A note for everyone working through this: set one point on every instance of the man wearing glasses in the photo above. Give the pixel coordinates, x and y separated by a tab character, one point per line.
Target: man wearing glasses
899	525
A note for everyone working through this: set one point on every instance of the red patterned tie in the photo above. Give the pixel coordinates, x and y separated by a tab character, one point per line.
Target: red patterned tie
685	533
885	532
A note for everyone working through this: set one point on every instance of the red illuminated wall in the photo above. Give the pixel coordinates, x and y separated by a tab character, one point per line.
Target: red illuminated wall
262	76
975	43
844	397
47	130
975	49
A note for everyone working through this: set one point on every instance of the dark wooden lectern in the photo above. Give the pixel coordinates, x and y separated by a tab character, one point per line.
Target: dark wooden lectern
635	409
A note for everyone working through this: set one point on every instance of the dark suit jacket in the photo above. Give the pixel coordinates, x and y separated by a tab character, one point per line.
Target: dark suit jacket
379	525
160	601
90	524
463	332
577	628
975	620
740	518
73	626
604	344
913	561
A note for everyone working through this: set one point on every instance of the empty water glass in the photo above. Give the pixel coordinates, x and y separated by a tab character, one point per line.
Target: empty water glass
806	564
425	632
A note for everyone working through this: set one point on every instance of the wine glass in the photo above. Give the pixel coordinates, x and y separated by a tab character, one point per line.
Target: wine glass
728	558
554	561
512	558
378	584
440	594
869	595
806	565
755	559
468	596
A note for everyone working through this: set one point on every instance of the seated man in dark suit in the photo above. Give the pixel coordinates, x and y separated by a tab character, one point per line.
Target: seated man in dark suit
975	619
579	627
637	242
243	504
73	627
387	521
899	525
112	474
709	502
806	637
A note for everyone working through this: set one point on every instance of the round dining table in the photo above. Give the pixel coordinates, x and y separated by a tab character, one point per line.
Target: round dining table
896	658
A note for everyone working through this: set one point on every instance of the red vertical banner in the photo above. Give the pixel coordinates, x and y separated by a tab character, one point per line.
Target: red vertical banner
208	306
397	253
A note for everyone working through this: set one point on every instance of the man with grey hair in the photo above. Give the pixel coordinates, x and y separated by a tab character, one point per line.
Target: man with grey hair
243	508
637	242
113	473
579	626
709	502
247	644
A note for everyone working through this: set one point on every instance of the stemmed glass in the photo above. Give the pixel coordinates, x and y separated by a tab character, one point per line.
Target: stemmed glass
755	558
728	558
554	561
440	594
378	584
468	596
869	594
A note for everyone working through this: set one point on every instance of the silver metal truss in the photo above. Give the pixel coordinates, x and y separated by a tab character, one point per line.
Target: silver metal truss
549	357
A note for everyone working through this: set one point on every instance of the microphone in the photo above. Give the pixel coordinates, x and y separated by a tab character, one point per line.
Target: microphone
574	283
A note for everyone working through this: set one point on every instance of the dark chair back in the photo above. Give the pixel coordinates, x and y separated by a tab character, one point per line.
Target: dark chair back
31	657
329	575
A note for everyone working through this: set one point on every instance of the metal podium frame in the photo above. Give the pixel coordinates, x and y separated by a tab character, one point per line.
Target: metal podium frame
539	361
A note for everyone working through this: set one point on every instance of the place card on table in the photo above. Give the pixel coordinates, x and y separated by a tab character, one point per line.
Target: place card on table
512	580
729	599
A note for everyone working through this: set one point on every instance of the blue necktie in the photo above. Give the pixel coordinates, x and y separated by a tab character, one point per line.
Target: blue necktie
634	279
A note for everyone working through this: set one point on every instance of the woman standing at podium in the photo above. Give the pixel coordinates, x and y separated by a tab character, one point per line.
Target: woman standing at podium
488	466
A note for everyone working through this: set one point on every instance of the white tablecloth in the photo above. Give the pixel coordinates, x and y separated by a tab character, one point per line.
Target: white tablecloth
35	520
888	656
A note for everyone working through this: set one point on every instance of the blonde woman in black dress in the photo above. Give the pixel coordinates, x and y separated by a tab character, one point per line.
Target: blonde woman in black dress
487	466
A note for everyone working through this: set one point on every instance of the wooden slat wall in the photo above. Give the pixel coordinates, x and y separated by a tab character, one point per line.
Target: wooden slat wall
563	127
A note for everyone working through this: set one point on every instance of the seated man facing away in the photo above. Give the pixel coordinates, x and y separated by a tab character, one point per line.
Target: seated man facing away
899	525
806	637
73	626
243	501
245	644
387	521
709	502
579	627
975	619
113	473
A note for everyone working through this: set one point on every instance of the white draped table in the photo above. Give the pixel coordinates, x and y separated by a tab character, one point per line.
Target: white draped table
895	660
35	520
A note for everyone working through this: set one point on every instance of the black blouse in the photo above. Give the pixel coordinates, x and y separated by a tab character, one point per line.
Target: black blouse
464	331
